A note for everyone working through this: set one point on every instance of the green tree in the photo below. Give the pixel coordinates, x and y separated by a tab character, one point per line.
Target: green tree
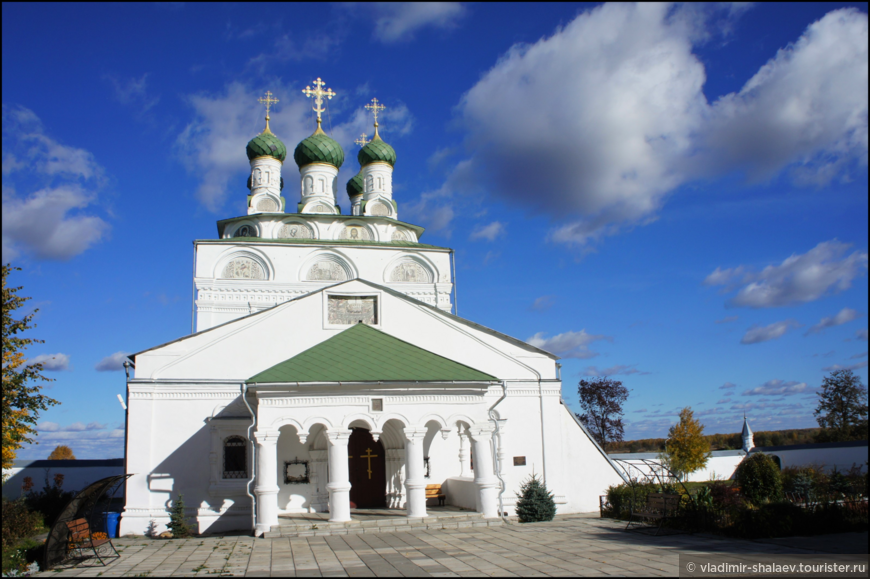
22	401
602	400
687	449
178	524
62	452
534	502
759	478
842	409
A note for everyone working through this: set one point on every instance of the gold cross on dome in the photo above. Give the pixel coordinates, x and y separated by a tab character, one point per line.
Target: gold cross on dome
318	93
362	141
268	101
375	108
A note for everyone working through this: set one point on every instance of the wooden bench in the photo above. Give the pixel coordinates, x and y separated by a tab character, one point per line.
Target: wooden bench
658	508
434	492
81	540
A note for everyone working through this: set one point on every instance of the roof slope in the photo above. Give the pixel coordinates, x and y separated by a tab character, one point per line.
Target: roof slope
363	354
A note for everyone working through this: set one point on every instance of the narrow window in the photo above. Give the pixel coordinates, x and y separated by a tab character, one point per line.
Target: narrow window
235	459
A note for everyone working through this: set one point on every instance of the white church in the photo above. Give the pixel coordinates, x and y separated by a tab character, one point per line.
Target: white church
327	372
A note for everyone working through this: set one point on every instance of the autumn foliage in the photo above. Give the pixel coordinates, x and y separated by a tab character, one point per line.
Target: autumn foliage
22	401
62	452
687	449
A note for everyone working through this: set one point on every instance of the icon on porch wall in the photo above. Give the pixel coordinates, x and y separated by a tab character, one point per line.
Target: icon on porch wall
519	461
377	404
296	472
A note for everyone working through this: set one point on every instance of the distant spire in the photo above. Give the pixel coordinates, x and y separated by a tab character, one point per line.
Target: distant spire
318	93
268	101
748	442
375	108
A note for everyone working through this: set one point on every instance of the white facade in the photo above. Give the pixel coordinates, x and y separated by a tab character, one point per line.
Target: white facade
186	399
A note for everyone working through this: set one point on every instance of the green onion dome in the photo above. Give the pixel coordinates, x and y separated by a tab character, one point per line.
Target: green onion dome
377	150
265	144
319	148
355	186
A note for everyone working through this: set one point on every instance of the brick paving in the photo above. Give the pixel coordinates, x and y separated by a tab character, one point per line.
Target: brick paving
569	546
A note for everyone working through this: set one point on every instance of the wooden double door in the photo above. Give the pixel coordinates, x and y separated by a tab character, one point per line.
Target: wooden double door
367	471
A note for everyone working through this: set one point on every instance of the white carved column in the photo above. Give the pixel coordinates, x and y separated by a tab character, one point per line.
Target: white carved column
267	488
500	449
484	475
395	482
415	483
339	483
464	455
318	480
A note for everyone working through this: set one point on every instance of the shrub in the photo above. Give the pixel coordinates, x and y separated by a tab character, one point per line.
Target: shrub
534	502
178	525
50	501
759	479
620	497
18	522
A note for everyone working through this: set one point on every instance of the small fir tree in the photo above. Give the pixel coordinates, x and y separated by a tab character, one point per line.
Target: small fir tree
687	449
177	520
534	502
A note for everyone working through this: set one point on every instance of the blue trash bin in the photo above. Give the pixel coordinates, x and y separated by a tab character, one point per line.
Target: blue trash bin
110	524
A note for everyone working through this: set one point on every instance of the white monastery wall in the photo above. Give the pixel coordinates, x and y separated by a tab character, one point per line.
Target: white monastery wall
77	474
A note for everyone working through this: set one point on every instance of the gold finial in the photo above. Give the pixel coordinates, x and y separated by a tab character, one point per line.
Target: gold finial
375	108
268	101
318	93
362	142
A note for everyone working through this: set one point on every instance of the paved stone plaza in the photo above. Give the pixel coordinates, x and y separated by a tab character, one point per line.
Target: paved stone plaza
569	546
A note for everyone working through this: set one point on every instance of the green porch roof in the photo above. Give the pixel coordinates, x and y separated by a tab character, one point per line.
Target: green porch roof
363	354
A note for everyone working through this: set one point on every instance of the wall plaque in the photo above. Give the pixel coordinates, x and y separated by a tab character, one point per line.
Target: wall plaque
347	310
519	461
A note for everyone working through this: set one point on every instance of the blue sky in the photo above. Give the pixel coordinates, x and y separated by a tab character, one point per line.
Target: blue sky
675	196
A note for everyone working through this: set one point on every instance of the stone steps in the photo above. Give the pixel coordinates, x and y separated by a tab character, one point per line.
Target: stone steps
289	528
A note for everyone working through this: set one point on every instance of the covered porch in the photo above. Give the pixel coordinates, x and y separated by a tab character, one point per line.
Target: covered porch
401	404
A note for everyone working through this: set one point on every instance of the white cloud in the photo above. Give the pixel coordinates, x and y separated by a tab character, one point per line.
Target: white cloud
757	334
112	363
542	303
613	370
858	356
133	92
569	344
52	362
777	387
400	20
489	232
92	440
856	366
727	386
821	271
46	221
843	316
727	320
861	334
603	119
